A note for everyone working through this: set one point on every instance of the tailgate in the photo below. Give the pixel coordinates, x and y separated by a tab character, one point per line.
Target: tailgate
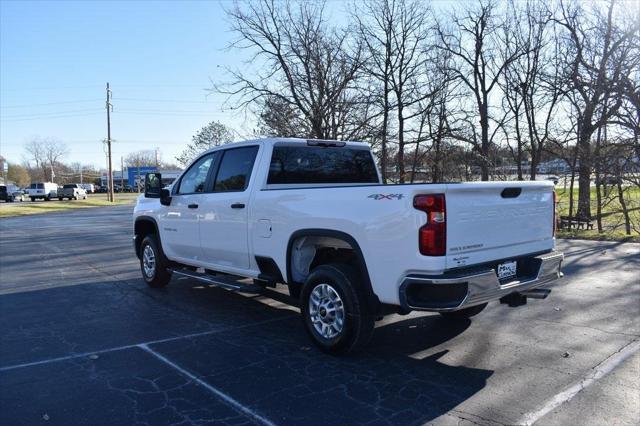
491	221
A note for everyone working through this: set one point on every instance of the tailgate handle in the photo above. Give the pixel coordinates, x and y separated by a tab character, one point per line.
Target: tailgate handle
510	192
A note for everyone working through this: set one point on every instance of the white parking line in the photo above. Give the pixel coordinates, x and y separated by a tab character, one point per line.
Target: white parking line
121	348
223	396
599	371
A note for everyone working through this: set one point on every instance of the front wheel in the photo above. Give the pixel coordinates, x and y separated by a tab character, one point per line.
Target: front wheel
465	313
153	263
33	199
335	310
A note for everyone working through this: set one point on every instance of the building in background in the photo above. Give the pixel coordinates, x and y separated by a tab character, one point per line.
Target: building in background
134	175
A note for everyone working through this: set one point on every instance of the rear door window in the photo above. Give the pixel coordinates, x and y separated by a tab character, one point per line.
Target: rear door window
316	165
235	169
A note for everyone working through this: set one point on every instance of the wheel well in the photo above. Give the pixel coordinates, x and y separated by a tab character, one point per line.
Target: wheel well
310	248
142	228
310	251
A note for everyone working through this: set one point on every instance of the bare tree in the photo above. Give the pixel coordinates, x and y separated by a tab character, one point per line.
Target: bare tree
598	49
375	23
531	83
35	158
303	63
474	43
144	158
46	154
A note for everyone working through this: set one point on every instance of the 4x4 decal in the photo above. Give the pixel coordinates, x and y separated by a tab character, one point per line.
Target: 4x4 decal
379	197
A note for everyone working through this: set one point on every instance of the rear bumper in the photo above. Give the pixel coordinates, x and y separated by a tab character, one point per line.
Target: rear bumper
463	289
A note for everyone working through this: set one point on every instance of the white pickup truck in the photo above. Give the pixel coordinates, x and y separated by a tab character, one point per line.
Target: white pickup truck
313	215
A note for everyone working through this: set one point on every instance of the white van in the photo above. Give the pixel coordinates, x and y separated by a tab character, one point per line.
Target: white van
45	190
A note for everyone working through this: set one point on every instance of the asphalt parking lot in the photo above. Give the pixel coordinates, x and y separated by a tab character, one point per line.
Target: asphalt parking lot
84	341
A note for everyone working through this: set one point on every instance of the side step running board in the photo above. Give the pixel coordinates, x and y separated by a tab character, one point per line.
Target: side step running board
224	281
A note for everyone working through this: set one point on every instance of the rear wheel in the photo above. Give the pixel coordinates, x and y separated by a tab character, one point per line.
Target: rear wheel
33	199
464	313
335	310
153	264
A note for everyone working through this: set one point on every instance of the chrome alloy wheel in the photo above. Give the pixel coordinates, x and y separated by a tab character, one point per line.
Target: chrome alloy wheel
149	261
326	311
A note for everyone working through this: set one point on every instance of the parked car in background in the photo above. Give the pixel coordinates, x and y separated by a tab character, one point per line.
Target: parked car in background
72	191
127	188
20	195
89	187
44	190
10	193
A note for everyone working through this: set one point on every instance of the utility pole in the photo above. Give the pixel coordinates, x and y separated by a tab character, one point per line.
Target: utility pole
110	177
122	173
81	182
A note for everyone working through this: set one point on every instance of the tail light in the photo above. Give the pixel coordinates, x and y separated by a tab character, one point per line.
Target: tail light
555	213
432	237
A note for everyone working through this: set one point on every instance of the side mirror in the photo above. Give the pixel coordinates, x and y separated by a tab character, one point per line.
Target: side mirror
152	185
165	197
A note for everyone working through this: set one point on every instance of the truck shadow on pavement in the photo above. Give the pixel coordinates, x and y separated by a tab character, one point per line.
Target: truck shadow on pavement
398	378
256	353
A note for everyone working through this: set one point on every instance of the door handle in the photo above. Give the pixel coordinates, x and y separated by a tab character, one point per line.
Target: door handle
193	206
237	206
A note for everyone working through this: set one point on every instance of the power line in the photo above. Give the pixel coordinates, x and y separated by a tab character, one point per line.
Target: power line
170	113
50	117
45	114
49	88
177	101
51	103
197	111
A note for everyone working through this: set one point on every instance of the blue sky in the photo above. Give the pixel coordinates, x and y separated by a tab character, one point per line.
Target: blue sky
159	57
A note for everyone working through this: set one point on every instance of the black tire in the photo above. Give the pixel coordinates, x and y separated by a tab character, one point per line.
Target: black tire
358	322
33	199
60	198
160	275
463	314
